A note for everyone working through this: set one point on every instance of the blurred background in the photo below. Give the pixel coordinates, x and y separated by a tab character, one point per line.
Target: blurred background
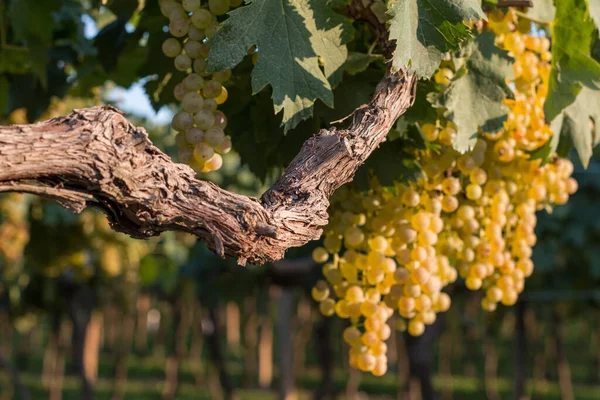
89	313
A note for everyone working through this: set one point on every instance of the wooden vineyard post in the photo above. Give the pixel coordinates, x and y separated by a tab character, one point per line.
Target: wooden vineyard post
285	344
265	353
232	321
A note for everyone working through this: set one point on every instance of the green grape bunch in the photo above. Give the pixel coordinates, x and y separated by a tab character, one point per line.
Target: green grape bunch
200	125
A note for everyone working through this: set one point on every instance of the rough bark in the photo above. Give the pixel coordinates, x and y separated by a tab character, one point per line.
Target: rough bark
96	158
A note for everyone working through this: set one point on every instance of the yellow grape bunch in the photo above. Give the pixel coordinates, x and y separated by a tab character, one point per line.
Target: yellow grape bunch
200	125
395	249
14	227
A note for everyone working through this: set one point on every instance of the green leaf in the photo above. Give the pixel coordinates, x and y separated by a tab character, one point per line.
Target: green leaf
542	11
33	23
575	123
572	66
425	29
359	62
293	38
392	161
476	100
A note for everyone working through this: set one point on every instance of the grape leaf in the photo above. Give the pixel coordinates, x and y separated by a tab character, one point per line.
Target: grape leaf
572	66
33	23
293	37
425	29
476	99
574	124
358	62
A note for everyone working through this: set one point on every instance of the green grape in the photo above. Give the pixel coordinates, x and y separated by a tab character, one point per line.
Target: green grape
193	82
179	91
167	6
179	27
220	119
210	105
171	48
224	147
183	62
204	119
195	33
192	102
212	89
193	49
214	163
182	121
190	5
203	152
222	76
218	7
202	18
177	12
200	67
204	50
211	30
194	136
214	136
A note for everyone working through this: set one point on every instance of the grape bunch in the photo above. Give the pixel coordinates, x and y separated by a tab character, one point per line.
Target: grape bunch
200	125
14	228
471	215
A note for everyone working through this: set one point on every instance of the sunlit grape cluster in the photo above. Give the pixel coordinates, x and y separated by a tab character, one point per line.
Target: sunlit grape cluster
200	125
471	214
14	228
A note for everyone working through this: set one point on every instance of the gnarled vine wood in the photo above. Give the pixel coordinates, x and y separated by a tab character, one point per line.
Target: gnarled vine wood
96	157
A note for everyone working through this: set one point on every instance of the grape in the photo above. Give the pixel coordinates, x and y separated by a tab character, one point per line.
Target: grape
210	105
221	121
194	136
204	50
179	91
320	255
195	33
193	82
179	27
204	119
167	6
211	30
225	146
190	5
200	67
214	163
182	121
218	7
214	136
222	97
202	18
193	49
183	62
171	47
192	102
212	89
203	152
222	76
177	12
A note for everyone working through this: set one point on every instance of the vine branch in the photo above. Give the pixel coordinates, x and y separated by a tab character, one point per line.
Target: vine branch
95	157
